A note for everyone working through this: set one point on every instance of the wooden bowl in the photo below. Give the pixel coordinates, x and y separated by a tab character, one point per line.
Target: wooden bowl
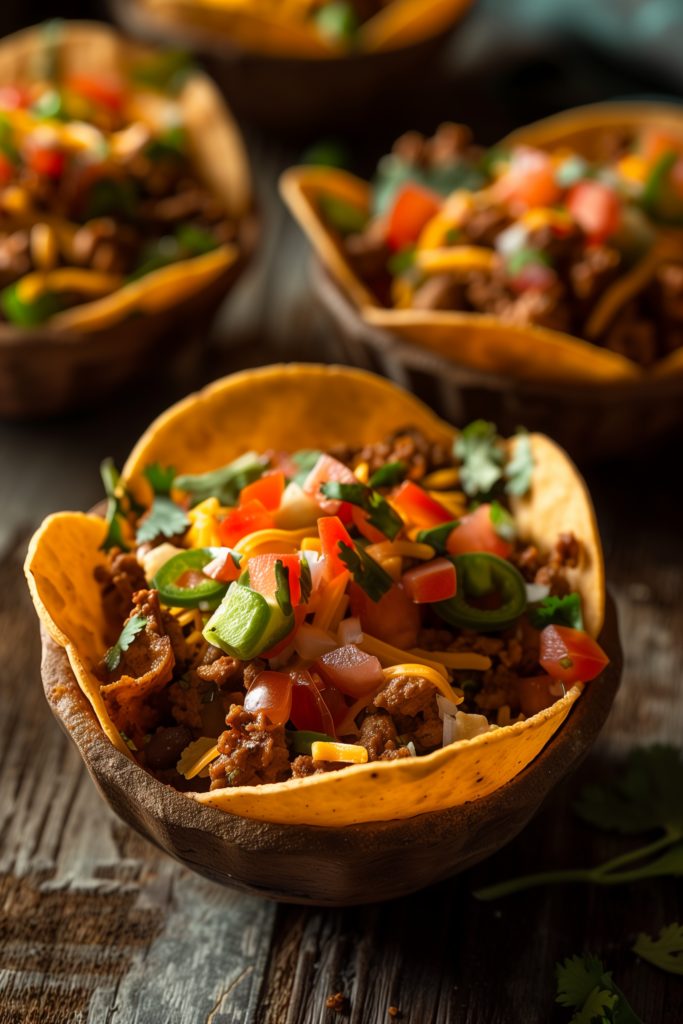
309	864
44	370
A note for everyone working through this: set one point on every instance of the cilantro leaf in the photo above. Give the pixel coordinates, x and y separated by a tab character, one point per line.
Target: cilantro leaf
503	523
389	475
557	611
478	447
119	503
520	468
164	517
131	629
305	582
666	951
380	513
583	984
305	459
161	479
282	594
224	483
438	536
366	572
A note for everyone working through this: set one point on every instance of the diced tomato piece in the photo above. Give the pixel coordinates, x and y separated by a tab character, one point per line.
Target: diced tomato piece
299	616
351	670
12	97
309	711
268	490
571	655
413	207
271	692
104	90
334	699
433	581
360	519
332	532
529	180
7	169
393	619
242	521
419	507
262	574
223	567
49	162
325	471
345	513
476	532
534	694
596	209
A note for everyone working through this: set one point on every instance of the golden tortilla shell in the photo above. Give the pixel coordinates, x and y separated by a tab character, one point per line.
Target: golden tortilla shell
479	340
304	406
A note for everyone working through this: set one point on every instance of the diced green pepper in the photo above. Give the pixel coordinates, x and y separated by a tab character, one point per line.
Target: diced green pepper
247	623
28	314
341	215
480	574
205	594
301	740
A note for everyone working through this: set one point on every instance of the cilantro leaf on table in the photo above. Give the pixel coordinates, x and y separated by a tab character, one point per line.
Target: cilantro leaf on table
305	582
282	593
389	475
305	459
164	517
478	447
666	951
584	985
380	513
646	795
557	611
365	571
131	629
161	479
225	483
520	468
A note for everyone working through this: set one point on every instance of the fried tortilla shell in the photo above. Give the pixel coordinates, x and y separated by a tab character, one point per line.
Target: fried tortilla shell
304	406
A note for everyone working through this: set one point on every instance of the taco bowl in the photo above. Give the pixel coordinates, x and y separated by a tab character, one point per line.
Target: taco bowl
83	121
250	834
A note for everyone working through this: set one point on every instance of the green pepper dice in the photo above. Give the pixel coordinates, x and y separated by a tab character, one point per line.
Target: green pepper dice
180	583
479	574
302	740
247	623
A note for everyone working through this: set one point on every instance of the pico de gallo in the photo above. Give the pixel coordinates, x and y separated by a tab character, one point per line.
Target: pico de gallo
295	613
97	186
593	249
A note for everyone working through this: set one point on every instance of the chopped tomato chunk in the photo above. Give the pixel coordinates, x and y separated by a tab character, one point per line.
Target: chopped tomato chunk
571	655
268	490
325	471
271	692
433	581
414	206
417	506
49	162
596	209
223	567
351	670
309	710
534	694
241	521
529	179
393	619
262	574
101	89
475	532
332	531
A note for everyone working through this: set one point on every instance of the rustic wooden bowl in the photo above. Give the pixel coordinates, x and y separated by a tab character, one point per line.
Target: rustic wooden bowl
43	370
590	421
309	864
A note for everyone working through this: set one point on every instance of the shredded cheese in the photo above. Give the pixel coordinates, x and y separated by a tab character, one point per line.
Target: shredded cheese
197	756
441	479
388	655
393	567
362	472
330	600
425	672
312	544
456	659
454	502
346	752
253	541
400	549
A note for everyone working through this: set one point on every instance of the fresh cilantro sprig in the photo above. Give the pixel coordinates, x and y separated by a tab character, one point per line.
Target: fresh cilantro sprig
365	571
282	593
557	611
224	483
131	629
164	516
380	513
160	478
584	985
389	475
520	468
666	951
120	504
646	795
305	459
503	523
484	473
438	536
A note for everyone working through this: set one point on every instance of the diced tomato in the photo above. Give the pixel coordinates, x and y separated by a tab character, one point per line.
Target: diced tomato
534	694
49	162
596	209
271	692
476	532
7	169
413	207
262	574
242	521
393	619
351	670
433	581
268	490
360	518
309	710
529	180
299	616
104	90
571	655
334	699
345	513
332	531
419	507
12	97
223	567
325	471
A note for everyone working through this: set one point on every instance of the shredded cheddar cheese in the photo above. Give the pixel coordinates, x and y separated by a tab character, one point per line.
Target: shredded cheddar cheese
197	756
330	600
388	655
253	542
400	548
349	753
456	659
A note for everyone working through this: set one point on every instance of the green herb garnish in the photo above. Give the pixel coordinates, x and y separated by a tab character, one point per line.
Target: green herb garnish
305	582
389	475
120	502
282	594
438	536
131	629
129	743
520	468
666	951
380	513
342	216
161	479
503	523
366	572
557	611
483	458
583	985
225	483
401	260
305	459
165	517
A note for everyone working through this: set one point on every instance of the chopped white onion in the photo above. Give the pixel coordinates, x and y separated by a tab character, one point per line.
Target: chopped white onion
317	566
446	706
411	748
463	727
448	729
282	658
350	631
536	592
512	239
311	642
296	510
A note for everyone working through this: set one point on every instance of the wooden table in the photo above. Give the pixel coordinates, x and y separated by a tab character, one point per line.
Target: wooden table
99	927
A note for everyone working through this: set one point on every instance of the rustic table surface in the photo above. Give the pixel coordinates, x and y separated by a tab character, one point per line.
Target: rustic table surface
98	926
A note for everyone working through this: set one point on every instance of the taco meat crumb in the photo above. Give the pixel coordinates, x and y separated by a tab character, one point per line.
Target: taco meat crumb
304	765
221	670
251	754
406	695
120	579
377	734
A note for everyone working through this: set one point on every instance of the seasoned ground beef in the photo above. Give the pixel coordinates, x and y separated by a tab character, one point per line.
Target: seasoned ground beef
251	754
222	670
304	765
406	695
376	734
120	579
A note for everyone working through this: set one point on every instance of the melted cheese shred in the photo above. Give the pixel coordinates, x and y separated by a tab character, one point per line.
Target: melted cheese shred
388	655
258	542
189	767
348	753
330	600
456	660
400	548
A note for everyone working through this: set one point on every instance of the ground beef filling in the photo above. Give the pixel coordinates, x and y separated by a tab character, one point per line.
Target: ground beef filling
251	752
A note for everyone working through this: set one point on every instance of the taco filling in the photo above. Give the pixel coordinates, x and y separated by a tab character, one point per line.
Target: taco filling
592	249
296	613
